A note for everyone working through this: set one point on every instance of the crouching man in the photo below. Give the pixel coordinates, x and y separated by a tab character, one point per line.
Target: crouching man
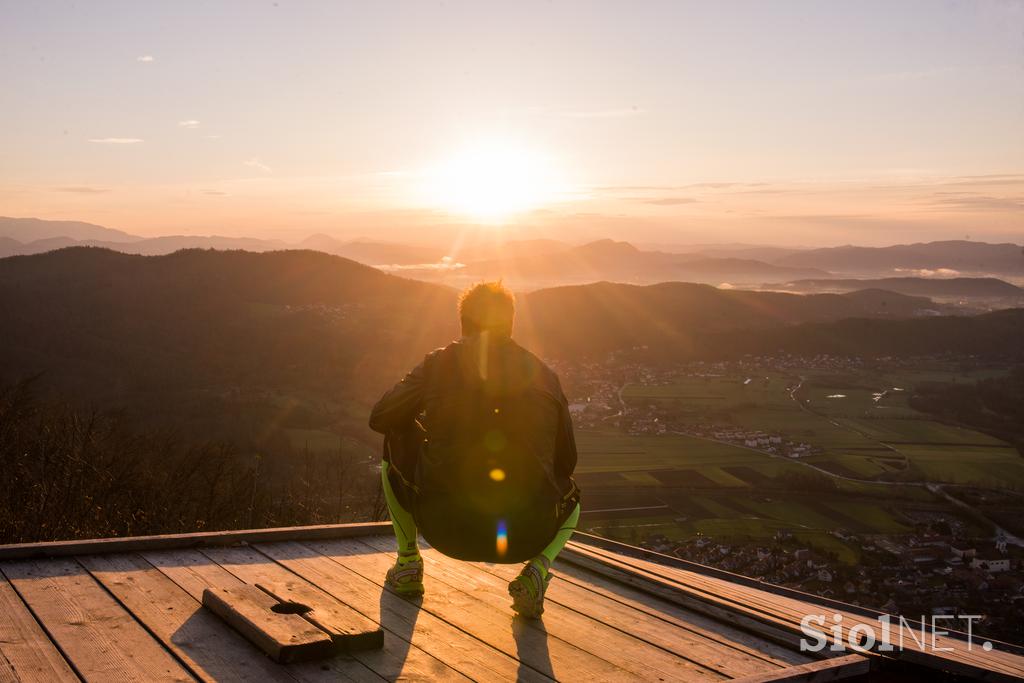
479	454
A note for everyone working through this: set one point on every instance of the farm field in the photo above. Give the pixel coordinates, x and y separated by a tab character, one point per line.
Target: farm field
860	423
866	438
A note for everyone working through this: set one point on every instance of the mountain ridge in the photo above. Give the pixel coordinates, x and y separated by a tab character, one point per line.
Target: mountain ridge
954	255
132	332
914	286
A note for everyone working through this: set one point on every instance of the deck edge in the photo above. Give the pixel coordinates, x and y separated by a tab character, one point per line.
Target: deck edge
22	551
674	562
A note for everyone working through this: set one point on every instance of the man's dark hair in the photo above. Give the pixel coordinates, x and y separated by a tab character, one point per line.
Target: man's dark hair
487	307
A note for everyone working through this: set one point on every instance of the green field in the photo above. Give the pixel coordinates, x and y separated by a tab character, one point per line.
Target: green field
714	393
865	429
990	467
630	456
860	419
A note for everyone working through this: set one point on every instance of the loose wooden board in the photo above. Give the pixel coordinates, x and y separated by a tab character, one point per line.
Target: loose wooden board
349	630
284	637
201	640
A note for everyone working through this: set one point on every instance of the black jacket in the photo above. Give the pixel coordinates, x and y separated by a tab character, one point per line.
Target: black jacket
482	442
432	388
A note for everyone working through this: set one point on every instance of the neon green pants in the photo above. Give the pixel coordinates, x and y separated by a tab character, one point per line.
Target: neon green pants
405	528
401	519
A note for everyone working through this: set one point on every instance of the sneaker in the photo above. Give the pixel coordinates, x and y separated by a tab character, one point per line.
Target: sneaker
527	591
406	578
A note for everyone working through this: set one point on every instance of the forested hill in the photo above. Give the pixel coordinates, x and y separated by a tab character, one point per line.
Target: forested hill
677	319
684	321
151	333
114	325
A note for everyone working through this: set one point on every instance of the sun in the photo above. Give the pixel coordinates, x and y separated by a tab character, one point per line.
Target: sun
492	182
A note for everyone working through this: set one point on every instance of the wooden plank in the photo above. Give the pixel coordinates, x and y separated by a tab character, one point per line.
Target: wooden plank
526	641
7	673
622	649
974	661
793	611
425	628
775	610
630	553
960	656
130	544
397	659
711	651
776	630
198	638
193	572
464	610
284	637
102	640
942	661
350	631
671	562
948	654
764	626
686	619
835	669
726	593
24	646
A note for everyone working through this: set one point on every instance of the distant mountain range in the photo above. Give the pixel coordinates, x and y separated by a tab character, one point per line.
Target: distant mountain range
32	229
620	262
15	240
676	317
756	252
961	256
26	236
534	264
956	287
112	324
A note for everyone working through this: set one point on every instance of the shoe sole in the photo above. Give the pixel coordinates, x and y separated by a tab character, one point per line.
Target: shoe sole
406	591
523	603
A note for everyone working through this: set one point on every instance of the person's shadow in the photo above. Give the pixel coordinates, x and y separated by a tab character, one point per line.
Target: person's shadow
398	616
531	648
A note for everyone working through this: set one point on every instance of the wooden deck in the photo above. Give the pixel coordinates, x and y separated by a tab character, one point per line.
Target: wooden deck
129	609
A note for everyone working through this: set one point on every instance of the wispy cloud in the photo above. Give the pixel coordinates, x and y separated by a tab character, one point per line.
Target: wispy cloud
212	137
116	141
215	193
602	113
724	186
992	179
674	188
188	123
256	163
637	188
967	201
82	189
823	217
145	59
665	201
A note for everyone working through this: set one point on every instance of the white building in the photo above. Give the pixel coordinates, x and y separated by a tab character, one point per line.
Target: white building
999	565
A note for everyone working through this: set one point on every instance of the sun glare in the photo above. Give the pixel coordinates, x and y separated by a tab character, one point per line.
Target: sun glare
492	182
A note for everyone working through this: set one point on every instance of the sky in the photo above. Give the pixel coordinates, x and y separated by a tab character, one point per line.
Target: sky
795	123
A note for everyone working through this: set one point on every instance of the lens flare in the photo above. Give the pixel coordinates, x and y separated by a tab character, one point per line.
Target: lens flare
497	474
501	542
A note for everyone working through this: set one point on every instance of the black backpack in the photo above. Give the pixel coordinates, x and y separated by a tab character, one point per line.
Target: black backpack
485	485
